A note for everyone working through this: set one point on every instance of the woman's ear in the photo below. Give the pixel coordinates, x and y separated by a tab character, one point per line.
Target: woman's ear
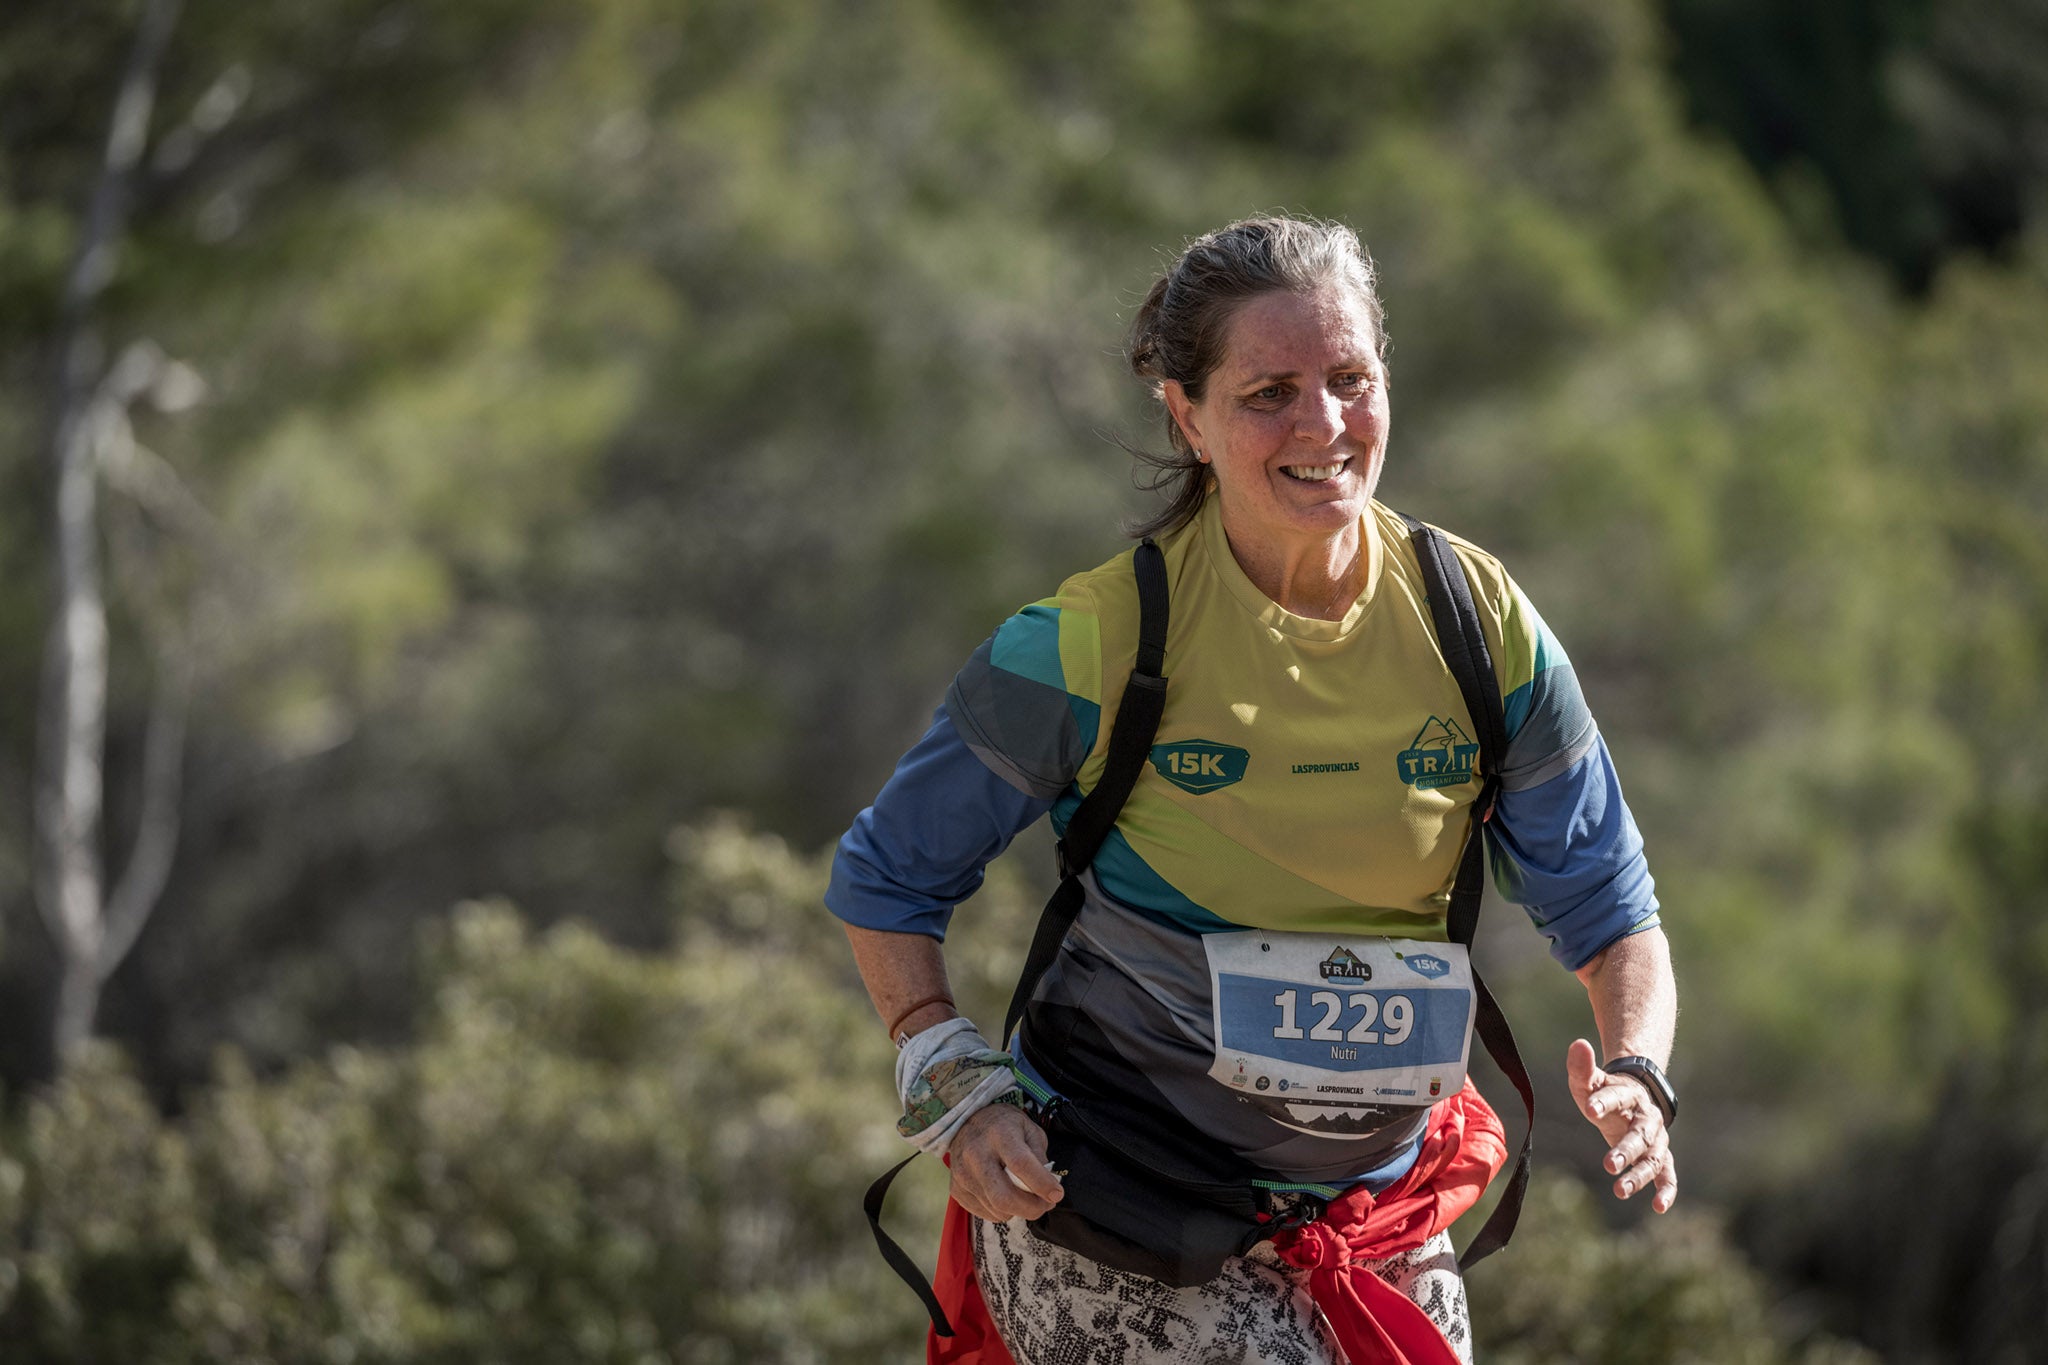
1182	409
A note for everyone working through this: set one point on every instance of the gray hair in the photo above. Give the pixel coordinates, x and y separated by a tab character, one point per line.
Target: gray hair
1179	331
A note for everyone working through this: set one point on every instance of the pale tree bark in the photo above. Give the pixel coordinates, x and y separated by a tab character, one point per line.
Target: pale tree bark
90	932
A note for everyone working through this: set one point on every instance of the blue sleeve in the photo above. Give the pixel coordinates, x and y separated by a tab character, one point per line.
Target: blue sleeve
920	849
1568	851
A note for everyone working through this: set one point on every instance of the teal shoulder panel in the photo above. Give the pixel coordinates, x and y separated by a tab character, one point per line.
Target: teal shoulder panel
1028	644
1087	720
1549	728
1517	707
1549	653
1130	881
1032	733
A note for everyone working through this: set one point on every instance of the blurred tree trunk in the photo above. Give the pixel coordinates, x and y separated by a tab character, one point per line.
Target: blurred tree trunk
92	931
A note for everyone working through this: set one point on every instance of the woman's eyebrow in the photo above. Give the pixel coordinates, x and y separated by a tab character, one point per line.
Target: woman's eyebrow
1274	376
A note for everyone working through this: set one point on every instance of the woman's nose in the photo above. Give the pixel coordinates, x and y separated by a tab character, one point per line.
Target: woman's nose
1319	418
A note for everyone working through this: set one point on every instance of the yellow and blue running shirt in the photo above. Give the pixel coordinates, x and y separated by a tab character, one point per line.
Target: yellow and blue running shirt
1307	776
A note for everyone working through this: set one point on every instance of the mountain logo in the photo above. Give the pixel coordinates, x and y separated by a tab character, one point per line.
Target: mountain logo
1343	965
1200	765
1443	755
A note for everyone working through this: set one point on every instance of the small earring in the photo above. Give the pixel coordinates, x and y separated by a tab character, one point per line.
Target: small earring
1202	456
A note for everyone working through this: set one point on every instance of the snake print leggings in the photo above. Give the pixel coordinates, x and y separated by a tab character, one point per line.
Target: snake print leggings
1055	1307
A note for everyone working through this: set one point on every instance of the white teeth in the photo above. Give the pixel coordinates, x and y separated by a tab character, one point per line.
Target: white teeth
1313	472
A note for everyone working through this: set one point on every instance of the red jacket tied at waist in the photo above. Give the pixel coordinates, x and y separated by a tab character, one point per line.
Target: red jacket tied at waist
1463	1149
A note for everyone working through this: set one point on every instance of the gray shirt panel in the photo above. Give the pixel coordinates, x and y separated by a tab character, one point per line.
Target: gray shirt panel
1145	985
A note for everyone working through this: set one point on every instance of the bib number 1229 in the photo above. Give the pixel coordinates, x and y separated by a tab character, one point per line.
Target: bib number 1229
1395	1016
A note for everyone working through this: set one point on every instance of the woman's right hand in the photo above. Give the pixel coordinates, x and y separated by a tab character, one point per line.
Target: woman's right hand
993	1145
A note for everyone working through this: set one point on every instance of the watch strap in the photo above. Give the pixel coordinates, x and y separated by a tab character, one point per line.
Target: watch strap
1653	1080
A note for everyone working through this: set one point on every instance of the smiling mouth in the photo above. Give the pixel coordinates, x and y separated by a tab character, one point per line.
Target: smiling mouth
1313	473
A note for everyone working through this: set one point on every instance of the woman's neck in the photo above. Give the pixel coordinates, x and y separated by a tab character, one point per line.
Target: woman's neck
1316	577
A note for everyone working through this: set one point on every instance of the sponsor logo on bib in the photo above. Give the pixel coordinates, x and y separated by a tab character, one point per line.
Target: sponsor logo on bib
1343	965
1200	765
1443	755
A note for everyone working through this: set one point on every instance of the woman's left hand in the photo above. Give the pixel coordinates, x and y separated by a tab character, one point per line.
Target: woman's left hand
1638	1144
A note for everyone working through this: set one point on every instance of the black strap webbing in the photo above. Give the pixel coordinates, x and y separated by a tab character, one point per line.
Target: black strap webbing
1463	642
1137	720
898	1259
1130	744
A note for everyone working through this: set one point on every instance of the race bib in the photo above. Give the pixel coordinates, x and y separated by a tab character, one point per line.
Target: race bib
1332	1036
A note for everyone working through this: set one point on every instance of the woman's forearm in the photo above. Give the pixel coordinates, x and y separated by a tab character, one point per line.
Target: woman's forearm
1634	996
906	978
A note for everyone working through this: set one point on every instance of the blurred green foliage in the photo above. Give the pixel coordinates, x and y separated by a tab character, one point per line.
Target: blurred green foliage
1672	1290
598	1155
615	412
589	1155
1910	128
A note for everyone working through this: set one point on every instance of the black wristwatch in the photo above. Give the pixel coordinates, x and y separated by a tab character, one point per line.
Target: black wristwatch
1654	1080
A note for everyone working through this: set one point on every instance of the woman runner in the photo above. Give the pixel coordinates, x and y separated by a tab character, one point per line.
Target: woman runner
1258	978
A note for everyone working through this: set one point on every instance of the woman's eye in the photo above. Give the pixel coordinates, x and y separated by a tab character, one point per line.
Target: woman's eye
1272	393
1353	383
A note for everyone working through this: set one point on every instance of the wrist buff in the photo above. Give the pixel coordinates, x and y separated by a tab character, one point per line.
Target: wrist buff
946	1075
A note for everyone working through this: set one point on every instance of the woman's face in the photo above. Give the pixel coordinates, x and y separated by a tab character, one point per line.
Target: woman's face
1294	418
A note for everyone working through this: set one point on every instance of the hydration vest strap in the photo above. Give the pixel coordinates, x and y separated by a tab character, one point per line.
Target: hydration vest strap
1500	1045
1130	744
1463	642
899	1260
1137	721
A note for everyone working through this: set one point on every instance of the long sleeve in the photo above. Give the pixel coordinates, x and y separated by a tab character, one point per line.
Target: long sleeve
1567	850
1001	749
1563	844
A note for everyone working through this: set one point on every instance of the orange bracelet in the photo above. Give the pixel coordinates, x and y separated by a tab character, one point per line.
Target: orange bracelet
940	999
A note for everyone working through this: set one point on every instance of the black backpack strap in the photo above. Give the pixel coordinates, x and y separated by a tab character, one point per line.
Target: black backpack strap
898	1259
1463	642
1130	744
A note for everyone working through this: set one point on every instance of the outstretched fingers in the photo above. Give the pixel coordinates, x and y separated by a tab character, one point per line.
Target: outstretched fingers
1640	1155
1639	1145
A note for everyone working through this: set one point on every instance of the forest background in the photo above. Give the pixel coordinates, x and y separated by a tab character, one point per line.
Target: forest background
538	464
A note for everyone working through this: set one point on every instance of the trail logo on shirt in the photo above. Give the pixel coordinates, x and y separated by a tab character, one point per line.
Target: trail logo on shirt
1441	756
1200	765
